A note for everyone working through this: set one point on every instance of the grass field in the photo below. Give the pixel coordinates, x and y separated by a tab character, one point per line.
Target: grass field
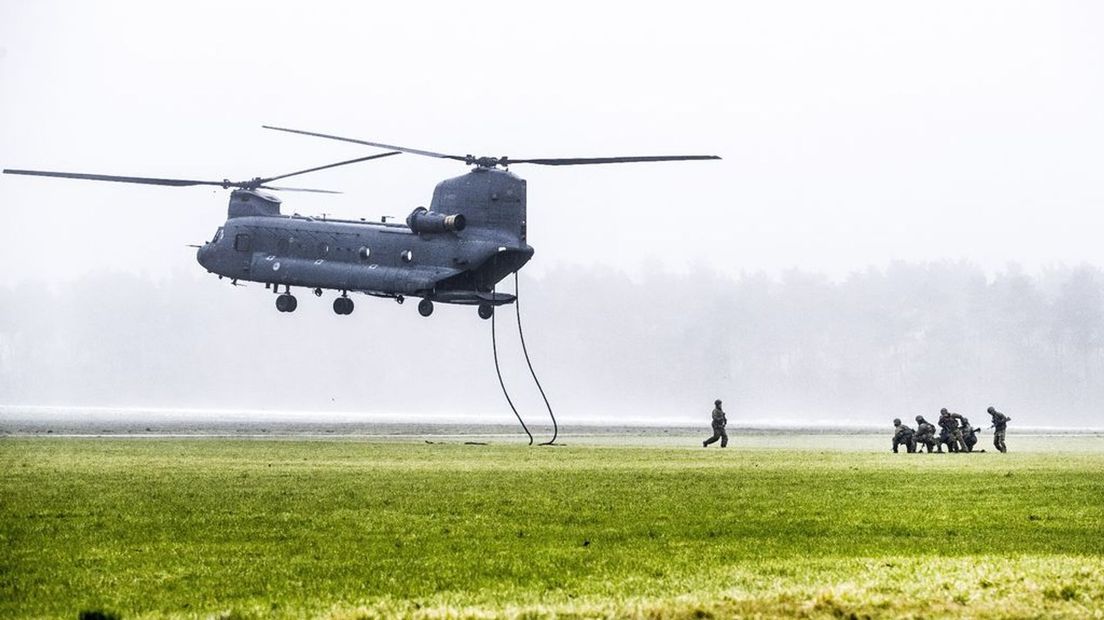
351	529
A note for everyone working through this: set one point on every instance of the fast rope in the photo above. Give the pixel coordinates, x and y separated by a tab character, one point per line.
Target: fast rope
521	335
529	363
494	347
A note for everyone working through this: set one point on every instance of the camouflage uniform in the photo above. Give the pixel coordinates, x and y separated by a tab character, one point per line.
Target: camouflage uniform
903	436
719	422
949	433
969	435
925	433
1000	424
959	431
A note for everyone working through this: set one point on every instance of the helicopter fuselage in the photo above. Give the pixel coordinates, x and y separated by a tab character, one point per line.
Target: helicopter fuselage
437	260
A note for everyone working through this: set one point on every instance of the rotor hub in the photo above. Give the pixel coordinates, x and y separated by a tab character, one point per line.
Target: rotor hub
487	162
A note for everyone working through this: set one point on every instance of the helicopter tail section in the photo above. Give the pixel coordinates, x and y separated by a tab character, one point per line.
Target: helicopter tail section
484	275
488	199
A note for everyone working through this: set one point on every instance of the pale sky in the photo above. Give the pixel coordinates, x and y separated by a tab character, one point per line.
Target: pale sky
853	133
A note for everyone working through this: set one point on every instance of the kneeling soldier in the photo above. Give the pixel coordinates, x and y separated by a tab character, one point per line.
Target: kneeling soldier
903	436
925	433
969	435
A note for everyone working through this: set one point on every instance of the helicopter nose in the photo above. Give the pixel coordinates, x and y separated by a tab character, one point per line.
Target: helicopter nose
203	255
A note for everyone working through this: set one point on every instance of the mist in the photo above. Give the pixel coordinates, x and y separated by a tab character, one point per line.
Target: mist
798	348
845	262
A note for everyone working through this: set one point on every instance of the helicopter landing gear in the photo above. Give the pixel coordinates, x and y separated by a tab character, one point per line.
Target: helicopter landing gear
343	305
486	311
425	307
286	303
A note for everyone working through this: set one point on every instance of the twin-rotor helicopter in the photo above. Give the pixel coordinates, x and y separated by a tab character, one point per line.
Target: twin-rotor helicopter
471	237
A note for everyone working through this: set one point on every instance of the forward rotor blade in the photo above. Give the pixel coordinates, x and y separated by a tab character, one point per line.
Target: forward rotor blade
181	182
365	142
340	163
577	161
117	179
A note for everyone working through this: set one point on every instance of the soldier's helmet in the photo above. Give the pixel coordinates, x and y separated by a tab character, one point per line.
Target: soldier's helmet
919	419
943	410
991	410
896	421
717	402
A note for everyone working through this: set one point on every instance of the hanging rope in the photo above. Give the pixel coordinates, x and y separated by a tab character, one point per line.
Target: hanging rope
521	335
498	371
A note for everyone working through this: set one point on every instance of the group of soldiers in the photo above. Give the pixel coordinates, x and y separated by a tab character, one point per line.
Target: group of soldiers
955	431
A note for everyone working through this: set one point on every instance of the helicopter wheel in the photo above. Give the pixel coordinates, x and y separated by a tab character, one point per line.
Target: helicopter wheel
425	307
486	311
343	305
286	303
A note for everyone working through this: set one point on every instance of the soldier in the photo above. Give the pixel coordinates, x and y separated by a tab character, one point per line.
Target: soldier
969	434
947	425
903	436
1000	423
959	431
719	422
925	433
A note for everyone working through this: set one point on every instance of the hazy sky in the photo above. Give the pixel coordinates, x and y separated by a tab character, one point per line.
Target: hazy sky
852	133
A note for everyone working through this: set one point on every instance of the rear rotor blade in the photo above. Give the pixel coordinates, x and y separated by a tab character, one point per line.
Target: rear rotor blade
577	161
340	163
118	179
365	142
491	162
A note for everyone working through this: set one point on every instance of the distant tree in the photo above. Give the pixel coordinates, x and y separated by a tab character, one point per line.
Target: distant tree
880	343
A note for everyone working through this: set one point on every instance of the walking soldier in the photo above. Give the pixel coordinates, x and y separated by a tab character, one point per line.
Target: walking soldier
1000	424
719	422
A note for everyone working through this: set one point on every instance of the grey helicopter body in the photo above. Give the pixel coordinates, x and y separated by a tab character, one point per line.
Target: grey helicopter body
471	237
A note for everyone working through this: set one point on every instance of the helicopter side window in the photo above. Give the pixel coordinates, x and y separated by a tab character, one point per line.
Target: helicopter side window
218	235
243	243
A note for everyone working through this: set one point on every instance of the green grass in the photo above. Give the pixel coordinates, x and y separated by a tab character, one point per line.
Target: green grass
349	529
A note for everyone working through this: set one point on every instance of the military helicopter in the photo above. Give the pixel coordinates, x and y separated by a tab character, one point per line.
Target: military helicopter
471	237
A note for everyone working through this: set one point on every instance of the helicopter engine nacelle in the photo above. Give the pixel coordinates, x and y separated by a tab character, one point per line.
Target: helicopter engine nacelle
423	221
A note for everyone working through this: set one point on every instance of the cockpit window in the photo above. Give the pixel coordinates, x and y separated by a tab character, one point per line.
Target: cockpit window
218	235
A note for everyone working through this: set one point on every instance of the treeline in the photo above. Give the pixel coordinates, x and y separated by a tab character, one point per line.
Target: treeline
794	348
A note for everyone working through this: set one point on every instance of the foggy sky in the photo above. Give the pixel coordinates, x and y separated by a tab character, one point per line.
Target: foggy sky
853	134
